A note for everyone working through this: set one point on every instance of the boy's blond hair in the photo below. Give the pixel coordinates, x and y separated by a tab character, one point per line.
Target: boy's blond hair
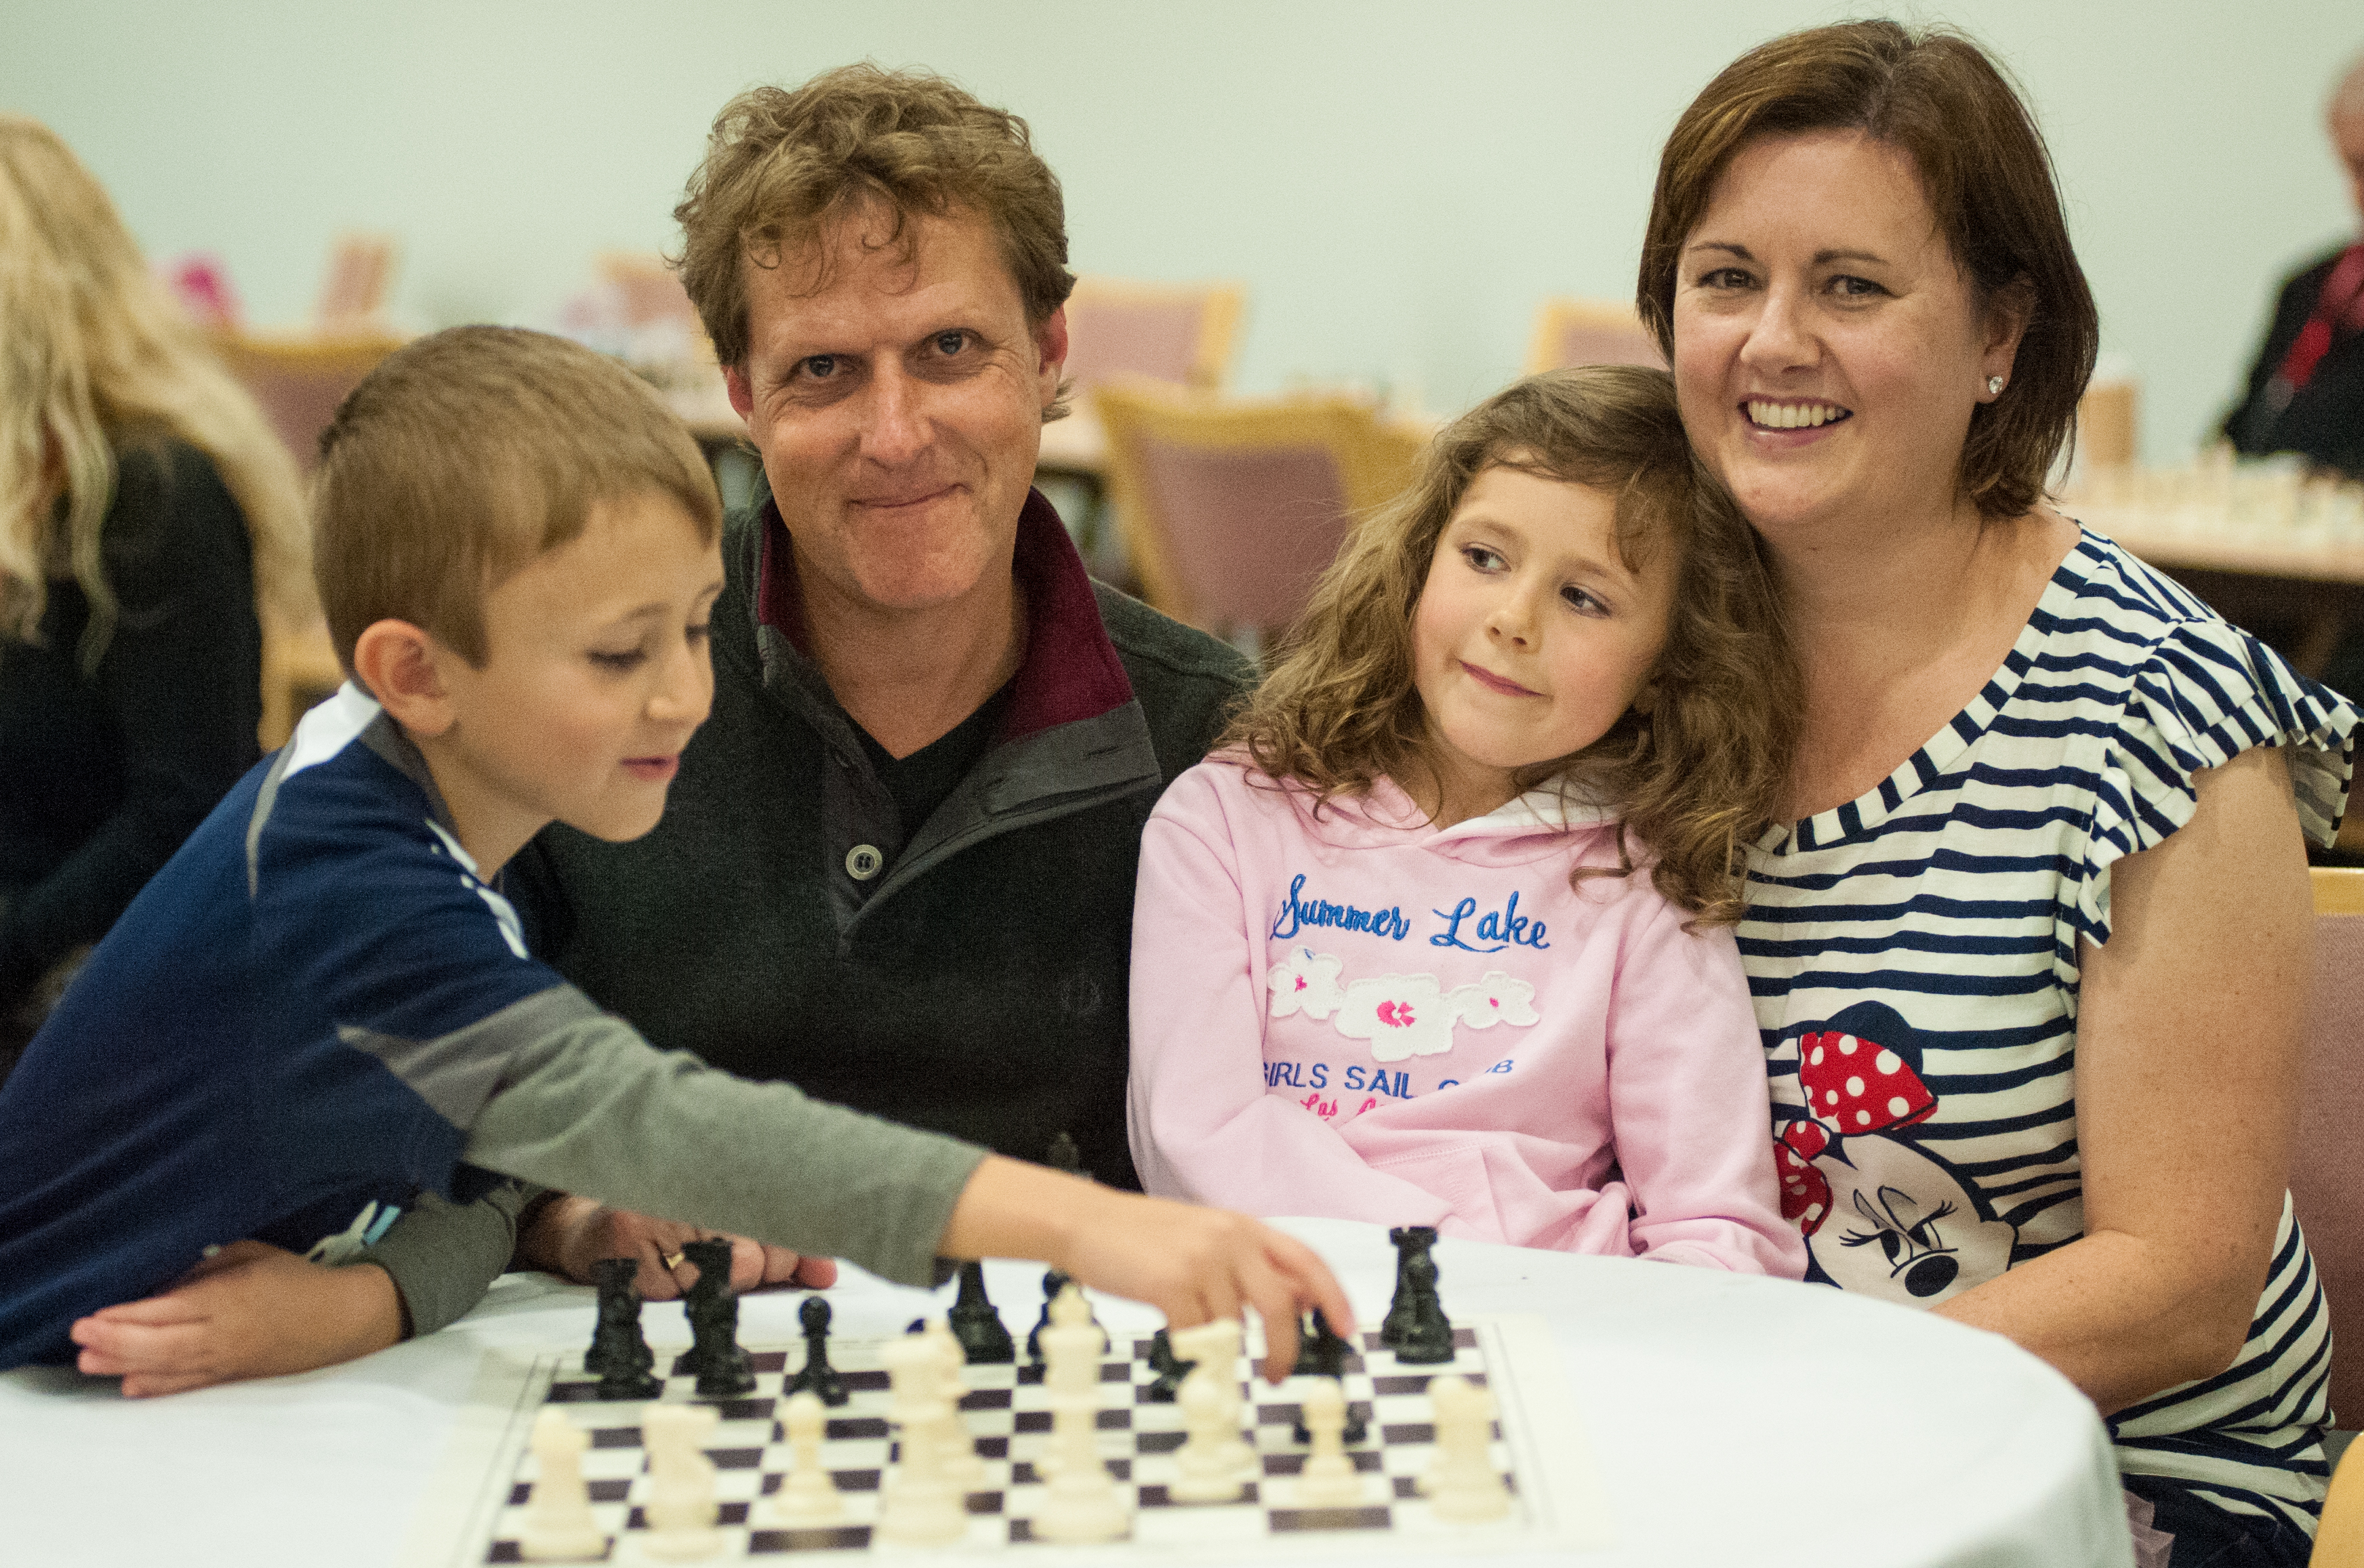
462	457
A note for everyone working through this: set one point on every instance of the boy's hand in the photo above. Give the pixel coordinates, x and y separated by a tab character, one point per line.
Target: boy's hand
1191	1263
571	1234
250	1310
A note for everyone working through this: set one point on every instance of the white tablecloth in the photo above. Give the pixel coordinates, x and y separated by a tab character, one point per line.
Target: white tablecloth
1733	1421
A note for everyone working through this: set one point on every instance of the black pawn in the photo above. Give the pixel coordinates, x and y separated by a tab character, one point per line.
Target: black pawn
712	1309
618	1353
1416	1328
976	1324
817	1377
1053	1283
1170	1369
1321	1354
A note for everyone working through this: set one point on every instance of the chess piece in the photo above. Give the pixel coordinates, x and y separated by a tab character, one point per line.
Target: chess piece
1081	1503
808	1496
817	1377
712	1309
1415	1327
681	1508
976	1324
1063	1155
1215	1348
1053	1283
1329	1479
557	1526
960	1464
1205	1468
1170	1369
920	1505
1462	1485
1322	1354
618	1353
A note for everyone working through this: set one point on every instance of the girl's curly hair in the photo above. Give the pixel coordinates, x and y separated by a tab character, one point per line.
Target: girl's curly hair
1697	775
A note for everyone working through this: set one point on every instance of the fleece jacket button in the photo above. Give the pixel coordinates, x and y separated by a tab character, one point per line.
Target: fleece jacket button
863	860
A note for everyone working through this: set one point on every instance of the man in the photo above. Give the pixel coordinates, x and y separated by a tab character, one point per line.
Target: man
2306	389
896	867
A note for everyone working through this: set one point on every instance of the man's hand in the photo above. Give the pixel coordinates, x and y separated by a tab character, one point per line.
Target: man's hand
250	1310
572	1233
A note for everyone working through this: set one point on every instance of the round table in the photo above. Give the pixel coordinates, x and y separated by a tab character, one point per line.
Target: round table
1731	1420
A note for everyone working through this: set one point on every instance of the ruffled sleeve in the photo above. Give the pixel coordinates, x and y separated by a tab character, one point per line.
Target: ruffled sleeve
2207	693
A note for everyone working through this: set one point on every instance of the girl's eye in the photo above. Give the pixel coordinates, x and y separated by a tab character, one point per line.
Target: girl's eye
1480	558
1583	603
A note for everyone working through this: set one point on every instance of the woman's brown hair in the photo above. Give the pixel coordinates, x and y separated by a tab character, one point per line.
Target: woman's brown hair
1937	96
1697	775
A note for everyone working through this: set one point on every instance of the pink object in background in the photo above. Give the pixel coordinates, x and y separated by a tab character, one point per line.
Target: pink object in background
201	283
1249	529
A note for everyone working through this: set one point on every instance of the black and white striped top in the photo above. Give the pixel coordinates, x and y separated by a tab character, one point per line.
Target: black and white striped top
1914	958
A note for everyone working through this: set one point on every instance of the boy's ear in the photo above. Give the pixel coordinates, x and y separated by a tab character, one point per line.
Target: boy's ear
403	668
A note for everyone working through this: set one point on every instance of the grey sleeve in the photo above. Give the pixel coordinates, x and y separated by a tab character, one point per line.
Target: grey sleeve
588	1105
443	1255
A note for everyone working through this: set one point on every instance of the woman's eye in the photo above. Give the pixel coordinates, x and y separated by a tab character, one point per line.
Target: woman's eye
1853	288
1726	278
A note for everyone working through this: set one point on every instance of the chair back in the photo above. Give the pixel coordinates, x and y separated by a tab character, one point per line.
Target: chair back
1230	509
353	291
299	381
1589	332
1181	333
2327	1158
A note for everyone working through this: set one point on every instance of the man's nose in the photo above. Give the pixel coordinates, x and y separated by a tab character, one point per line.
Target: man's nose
894	427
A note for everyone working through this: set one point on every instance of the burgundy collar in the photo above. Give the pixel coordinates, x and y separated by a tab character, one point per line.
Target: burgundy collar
1071	670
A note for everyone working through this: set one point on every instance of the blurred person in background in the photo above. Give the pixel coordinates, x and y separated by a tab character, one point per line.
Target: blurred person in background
144	503
2306	389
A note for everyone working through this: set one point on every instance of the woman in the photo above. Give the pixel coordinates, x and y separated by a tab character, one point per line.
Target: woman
2029	945
143	503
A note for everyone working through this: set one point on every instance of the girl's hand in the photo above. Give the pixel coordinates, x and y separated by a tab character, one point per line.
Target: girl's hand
569	1235
250	1310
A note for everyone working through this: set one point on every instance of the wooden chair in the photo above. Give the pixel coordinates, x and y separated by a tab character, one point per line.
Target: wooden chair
1230	509
1182	333
2339	1537
353	291
299	378
299	669
1589	332
2327	1176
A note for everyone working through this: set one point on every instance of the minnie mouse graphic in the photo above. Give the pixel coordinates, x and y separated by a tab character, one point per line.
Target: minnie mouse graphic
1880	1213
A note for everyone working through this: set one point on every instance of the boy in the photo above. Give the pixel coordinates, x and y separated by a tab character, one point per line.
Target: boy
322	1009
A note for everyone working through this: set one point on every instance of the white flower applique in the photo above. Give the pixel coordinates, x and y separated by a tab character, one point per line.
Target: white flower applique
1305	982
1400	1015
1496	999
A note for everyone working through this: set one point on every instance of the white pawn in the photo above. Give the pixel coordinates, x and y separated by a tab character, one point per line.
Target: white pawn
557	1525
1462	1483
1205	1472
1328	1480
961	1460
1081	1503
808	1496
1071	1345
681	1505
920	1505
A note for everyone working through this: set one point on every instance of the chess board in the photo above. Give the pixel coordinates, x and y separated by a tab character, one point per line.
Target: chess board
1538	1448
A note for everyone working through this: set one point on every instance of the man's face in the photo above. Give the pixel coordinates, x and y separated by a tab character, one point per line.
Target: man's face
898	408
2348	141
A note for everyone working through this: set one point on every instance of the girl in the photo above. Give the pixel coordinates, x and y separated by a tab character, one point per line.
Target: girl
1441	938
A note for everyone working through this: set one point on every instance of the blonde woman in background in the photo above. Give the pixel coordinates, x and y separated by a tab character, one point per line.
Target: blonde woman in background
144	506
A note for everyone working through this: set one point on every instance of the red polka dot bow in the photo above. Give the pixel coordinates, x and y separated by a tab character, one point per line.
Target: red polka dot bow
1852	1086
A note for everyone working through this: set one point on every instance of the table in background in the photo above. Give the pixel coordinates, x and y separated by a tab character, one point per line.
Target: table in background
1733	1421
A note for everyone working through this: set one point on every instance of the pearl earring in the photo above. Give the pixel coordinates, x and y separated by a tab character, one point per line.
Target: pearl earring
1995	385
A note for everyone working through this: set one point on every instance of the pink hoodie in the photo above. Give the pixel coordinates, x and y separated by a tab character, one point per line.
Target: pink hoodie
1367	1017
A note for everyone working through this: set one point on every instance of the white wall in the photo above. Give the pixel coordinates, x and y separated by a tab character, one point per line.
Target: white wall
1398	182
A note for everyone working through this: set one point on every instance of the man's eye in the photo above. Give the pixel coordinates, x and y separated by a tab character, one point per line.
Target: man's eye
949	343
819	367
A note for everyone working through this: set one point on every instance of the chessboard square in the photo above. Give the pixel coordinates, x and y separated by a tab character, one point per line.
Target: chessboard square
751	1409
848	1429
1167	1524
1114	1421
1116	1372
871	1381
834	1538
988	1399
614	1437
1158	1443
768	1361
1286	1520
